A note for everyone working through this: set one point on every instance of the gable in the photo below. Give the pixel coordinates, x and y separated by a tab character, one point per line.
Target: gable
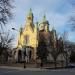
28	30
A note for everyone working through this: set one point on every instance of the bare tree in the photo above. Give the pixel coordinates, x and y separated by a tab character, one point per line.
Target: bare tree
5	11
71	20
5	46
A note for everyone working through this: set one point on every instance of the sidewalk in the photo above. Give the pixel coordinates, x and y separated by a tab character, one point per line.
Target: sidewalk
27	69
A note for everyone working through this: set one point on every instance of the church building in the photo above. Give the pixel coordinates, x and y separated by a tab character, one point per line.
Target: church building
31	34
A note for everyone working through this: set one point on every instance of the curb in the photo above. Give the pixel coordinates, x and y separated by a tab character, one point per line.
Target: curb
27	69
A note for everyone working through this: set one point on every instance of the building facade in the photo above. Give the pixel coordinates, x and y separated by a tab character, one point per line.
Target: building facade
31	34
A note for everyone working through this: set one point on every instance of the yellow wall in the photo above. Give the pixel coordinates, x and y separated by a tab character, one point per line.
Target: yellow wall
32	37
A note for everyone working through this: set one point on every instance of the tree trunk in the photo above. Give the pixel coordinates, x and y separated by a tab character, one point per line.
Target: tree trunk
55	63
41	64
66	60
62	63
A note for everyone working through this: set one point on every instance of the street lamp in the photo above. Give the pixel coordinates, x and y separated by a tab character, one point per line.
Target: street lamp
15	29
21	45
24	55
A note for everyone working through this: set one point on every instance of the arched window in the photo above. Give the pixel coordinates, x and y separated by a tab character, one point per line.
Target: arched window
26	39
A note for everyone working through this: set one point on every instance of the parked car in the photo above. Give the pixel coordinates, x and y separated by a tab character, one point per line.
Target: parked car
70	65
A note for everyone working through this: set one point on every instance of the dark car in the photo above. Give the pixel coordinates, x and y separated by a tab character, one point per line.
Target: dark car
71	65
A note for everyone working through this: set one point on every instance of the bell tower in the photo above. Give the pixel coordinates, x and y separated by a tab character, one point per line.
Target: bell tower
30	16
44	25
29	21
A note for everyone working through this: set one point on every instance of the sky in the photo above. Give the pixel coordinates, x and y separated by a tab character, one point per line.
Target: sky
58	13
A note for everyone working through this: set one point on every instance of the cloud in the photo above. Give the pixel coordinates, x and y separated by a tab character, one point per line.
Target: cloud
71	36
58	21
57	13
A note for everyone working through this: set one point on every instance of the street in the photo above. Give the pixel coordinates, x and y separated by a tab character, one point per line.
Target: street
34	71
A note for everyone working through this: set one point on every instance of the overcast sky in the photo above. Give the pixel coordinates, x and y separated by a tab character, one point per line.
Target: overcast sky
57	13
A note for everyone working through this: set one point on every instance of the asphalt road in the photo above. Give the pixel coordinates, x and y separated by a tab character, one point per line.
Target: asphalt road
7	71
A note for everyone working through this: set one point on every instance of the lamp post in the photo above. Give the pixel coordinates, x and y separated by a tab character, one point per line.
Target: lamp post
23	47
24	55
17	53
